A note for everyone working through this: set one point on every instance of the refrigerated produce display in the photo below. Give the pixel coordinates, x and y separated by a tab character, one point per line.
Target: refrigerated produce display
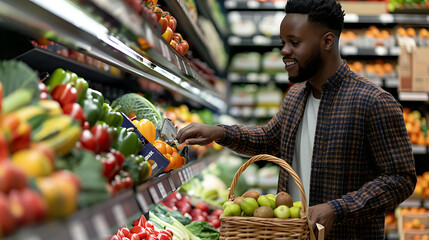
93	92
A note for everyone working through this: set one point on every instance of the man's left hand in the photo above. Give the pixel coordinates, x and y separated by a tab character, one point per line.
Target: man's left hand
322	214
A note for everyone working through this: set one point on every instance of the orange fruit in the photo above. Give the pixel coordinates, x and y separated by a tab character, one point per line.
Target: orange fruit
161	147
169	149
174	149
178	161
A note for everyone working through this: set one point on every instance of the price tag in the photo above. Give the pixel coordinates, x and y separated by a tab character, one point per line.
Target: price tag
234	77
154	194
419	149
119	214
351	18
253	4
234	40
386	18
162	190
279	4
230	4
182	180
395	51
77	231
101	226
252	77
350	50
261	40
173	187
142	202
380	51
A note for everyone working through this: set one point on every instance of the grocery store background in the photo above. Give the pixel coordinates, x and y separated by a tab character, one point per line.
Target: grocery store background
223	66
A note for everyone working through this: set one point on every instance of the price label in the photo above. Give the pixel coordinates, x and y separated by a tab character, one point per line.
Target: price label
350	50
351	18
380	51
230	4
173	187
386	18
419	149
234	40
182	180
142	202
154	194
234	77
162	190
77	231
395	51
101	226
119	214
253	4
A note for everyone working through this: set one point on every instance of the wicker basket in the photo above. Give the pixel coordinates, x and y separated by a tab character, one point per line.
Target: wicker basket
235	228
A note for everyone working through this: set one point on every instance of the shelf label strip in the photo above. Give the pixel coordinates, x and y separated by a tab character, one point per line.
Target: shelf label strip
119	214
162	190
77	231
143	203
154	194
101	226
173	187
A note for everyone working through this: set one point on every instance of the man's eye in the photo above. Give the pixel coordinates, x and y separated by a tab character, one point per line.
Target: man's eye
294	43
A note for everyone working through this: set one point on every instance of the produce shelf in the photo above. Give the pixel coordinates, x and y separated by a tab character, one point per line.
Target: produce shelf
259	78
377	51
205	9
256	40
387	18
413	96
254	5
103	219
156	189
191	32
77	30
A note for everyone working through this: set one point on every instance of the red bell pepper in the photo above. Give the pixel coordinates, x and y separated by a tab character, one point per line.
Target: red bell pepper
98	139
75	111
64	94
112	163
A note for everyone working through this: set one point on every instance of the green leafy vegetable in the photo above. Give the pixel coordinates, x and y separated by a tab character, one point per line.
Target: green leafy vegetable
203	230
16	75
142	108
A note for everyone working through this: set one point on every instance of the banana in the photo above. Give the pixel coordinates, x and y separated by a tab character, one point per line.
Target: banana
32	114
52	127
53	107
62	143
17	99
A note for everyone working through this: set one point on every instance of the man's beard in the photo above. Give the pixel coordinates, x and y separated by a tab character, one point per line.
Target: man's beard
309	69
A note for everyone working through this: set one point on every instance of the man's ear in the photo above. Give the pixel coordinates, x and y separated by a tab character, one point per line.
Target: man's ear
328	41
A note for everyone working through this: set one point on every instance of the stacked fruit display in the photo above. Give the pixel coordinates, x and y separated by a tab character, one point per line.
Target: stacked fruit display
377	68
414	223
251	203
416	127
422	186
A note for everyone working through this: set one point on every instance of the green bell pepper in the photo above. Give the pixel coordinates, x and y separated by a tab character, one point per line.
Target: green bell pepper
59	76
111	116
127	142
94	94
92	111
81	87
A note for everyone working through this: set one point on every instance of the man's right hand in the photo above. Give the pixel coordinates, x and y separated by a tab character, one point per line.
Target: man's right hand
200	134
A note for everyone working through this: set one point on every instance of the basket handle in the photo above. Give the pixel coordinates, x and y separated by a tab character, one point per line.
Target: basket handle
282	163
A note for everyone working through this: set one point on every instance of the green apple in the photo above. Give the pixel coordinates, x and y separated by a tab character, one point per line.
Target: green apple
249	205
232	210
226	204
265	201
282	211
271	196
295	212
297	204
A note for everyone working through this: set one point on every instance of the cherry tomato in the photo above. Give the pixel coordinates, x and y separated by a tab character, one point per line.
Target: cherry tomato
142	221
163	236
125	231
149	225
152	237
140	231
168	232
120	234
75	111
134	236
149	231
114	237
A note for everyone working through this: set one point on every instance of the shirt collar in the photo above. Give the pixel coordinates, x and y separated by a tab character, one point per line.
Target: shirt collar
334	81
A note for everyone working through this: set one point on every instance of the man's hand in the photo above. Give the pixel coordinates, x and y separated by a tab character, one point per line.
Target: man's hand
201	134
322	214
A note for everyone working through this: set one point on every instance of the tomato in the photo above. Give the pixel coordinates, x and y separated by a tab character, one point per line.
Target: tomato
114	237
164	24
149	225
125	238
163	236
140	231
172	23
134	236
158	12
152	237
149	231
166	15
125	231
183	47
64	94
75	111
174	43
168	232
120	234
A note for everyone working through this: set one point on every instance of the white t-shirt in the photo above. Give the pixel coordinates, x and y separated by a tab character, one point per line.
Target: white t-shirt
304	148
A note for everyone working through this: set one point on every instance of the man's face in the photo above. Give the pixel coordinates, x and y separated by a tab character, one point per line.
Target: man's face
301	47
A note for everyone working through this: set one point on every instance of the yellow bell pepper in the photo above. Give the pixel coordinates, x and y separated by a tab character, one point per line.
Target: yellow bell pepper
147	129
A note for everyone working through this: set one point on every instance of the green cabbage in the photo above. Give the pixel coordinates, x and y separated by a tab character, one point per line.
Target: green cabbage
142	108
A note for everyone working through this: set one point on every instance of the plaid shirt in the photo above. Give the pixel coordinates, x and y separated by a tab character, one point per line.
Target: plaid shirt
362	161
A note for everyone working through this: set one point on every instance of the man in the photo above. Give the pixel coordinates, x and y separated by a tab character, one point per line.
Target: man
344	134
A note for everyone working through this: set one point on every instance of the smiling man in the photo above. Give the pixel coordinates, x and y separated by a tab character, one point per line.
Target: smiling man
342	134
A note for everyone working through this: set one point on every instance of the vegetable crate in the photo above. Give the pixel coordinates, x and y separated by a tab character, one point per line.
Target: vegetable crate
236	227
148	150
413	225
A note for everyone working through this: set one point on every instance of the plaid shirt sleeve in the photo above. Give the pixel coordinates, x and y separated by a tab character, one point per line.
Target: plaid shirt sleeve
390	147
253	140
